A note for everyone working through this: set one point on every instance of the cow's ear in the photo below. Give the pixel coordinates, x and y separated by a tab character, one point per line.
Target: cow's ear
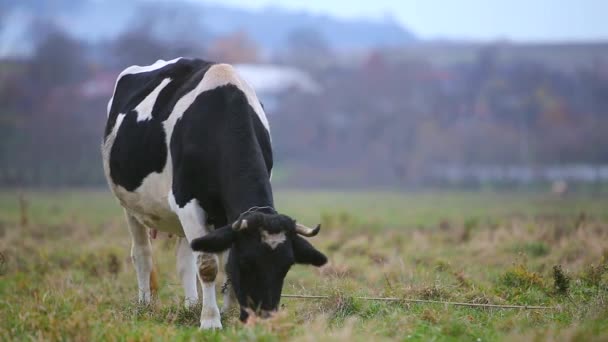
217	241
305	253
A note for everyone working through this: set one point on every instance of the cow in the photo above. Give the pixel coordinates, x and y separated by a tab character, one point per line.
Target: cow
187	150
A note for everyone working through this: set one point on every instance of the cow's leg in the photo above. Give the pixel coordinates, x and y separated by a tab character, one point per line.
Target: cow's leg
192	219
187	269
141	255
229	297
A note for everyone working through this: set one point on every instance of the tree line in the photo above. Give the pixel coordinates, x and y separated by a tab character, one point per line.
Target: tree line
377	121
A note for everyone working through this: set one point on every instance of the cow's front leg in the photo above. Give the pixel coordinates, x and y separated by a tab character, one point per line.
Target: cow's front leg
229	297
192	219
207	271
141	255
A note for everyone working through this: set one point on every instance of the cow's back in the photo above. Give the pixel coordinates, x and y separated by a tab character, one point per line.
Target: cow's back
135	148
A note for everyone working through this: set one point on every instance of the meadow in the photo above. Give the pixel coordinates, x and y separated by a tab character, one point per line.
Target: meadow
65	271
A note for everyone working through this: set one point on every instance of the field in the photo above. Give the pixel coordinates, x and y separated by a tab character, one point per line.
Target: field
65	271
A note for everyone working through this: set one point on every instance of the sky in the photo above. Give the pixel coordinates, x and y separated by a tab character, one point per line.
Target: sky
518	20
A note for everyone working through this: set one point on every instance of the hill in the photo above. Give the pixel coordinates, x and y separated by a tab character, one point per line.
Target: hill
95	20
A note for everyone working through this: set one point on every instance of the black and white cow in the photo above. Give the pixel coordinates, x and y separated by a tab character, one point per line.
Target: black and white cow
187	148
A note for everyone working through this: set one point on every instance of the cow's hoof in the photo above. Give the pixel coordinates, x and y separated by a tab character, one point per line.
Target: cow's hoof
145	298
211	324
210	319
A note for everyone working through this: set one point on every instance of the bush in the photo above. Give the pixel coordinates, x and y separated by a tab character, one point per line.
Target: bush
519	276
561	280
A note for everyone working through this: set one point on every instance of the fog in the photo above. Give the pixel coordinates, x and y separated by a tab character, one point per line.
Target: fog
352	103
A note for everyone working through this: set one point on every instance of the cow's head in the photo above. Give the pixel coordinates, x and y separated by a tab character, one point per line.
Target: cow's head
263	249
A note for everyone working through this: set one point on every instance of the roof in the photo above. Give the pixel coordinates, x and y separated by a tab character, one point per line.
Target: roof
272	79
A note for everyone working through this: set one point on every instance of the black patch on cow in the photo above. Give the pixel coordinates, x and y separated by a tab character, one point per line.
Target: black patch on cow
221	155
139	148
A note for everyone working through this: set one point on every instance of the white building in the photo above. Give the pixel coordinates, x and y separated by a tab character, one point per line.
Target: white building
270	81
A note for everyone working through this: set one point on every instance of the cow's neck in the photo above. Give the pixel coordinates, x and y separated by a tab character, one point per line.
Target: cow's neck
244	181
249	202
244	192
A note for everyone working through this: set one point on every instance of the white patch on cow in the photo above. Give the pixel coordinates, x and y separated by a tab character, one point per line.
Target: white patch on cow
117	124
109	106
192	218
136	69
149	202
106	147
252	98
273	240
144	108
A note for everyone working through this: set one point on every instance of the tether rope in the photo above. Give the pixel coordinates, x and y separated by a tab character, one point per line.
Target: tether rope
428	301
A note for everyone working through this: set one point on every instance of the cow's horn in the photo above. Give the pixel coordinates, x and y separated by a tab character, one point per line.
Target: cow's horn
307	231
243	225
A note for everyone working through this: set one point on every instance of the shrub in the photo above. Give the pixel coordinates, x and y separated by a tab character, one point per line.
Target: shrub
519	276
561	280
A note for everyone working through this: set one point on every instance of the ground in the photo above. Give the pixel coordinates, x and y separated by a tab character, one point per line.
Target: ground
65	272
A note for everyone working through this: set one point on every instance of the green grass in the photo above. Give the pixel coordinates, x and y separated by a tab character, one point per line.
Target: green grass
66	274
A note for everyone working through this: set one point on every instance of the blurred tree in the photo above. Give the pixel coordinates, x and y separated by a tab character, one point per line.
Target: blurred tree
58	59
236	47
160	31
306	47
178	26
48	139
138	47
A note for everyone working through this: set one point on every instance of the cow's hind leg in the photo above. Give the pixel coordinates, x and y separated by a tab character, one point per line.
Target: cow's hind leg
141	255
187	270
192	219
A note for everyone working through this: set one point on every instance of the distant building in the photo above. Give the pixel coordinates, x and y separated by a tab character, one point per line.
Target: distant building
270	81
520	174
101	84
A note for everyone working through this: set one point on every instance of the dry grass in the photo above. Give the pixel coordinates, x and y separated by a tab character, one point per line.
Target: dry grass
65	274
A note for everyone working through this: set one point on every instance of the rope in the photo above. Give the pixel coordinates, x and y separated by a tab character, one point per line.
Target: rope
253	209
426	301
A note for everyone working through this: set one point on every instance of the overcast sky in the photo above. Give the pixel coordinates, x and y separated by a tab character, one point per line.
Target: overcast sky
523	20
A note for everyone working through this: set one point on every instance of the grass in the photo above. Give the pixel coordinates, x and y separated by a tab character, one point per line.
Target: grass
66	274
